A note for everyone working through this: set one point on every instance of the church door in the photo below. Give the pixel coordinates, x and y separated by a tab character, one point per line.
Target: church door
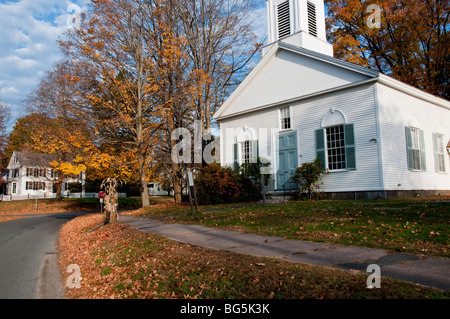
287	160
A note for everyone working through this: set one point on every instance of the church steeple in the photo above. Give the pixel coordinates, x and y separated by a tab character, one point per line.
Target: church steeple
300	23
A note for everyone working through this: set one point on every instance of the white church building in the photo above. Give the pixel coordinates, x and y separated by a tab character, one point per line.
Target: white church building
376	136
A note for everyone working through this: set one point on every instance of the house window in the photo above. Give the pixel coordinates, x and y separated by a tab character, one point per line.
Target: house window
415	142
285	118
15	173
35	186
439	157
36	172
312	19
335	147
284	20
14	188
53	174
246	152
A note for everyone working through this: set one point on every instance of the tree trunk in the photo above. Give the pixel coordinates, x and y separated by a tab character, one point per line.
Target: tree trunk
59	190
144	192
111	207
176	179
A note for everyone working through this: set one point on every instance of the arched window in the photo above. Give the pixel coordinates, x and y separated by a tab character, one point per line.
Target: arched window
246	147
335	142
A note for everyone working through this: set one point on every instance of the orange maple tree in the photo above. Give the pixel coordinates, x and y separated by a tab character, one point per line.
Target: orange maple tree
412	42
139	84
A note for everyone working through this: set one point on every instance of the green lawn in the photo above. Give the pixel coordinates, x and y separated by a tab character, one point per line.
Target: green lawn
416	225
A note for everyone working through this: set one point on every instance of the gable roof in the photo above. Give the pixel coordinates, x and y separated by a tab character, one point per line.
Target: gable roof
288	73
32	159
329	59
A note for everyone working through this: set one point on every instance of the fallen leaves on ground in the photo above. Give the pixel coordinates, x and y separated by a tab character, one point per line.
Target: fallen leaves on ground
118	261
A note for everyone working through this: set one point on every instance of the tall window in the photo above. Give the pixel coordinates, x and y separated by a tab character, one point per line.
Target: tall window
285	118
416	149
284	20
415	141
439	155
336	147
246	152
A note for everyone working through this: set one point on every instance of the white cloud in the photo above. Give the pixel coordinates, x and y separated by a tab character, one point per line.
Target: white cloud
29	30
8	90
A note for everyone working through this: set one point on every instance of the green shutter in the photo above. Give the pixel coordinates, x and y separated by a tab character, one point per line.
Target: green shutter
235	154
255	151
409	150
320	147
423	160
436	152
350	154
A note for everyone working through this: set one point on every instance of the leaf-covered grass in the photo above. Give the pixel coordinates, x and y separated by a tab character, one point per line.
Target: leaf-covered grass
118	261
416	225
44	206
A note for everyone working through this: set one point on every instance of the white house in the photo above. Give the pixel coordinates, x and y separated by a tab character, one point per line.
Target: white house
156	189
29	175
376	136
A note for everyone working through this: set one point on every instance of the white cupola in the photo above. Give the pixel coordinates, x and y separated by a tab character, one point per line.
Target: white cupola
298	22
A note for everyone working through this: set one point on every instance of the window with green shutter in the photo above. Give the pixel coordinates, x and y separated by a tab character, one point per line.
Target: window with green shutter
335	147
415	144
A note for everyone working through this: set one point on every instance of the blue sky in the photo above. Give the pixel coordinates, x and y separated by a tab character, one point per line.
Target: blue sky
29	30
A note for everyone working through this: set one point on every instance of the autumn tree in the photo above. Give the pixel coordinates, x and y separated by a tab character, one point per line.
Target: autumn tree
58	127
412	42
20	136
215	46
140	83
68	143
111	43
220	42
156	66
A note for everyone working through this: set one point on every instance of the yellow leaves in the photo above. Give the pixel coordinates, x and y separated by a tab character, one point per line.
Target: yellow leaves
70	169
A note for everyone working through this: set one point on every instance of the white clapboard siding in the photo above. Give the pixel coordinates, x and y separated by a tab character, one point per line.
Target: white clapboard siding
260	123
398	110
357	105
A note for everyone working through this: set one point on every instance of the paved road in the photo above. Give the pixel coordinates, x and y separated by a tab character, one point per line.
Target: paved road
28	257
